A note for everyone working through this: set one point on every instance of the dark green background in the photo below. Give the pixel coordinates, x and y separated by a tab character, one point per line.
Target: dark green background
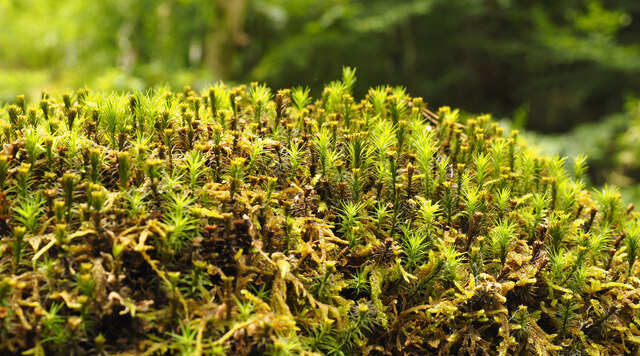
562	61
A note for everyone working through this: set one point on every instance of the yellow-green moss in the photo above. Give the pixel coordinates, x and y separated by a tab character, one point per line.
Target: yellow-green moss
242	222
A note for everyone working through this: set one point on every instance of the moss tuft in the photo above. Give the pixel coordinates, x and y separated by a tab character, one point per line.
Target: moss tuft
241	222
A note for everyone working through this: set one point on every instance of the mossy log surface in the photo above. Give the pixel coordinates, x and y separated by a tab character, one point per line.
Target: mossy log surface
241	221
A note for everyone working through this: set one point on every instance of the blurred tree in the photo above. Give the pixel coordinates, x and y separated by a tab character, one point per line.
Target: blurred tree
568	61
224	38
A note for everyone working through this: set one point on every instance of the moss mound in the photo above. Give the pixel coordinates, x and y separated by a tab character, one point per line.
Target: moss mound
236	221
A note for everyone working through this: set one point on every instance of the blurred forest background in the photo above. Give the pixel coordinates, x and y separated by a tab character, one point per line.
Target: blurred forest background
566	72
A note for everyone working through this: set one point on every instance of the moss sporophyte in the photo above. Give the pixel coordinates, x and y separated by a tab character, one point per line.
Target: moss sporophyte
242	221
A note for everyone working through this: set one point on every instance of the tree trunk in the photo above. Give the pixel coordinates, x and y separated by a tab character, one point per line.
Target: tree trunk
225	36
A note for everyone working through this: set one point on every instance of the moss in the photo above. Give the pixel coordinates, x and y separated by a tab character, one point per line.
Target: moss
241	222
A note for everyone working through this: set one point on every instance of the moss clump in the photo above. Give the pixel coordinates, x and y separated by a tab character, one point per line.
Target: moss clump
237	221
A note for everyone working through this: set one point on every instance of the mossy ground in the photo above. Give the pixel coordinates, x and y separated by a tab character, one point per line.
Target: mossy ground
235	221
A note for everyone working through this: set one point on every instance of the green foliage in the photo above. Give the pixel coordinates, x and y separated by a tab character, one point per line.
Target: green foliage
349	217
194	164
415	246
581	55
502	235
632	244
27	212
